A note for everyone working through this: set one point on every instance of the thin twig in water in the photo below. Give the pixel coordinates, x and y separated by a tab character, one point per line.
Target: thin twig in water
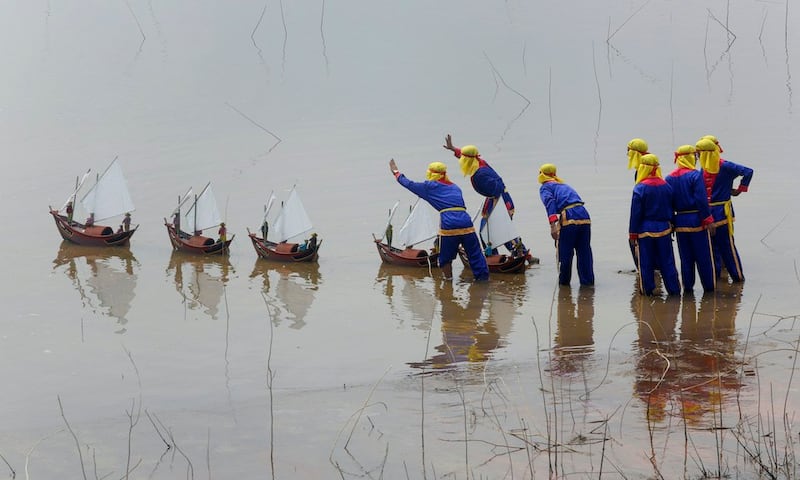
13	472
550	97
74	437
285	37
30	452
627	20
322	34
169	445
516	92
270	378
772	230
599	107
133	420
257	125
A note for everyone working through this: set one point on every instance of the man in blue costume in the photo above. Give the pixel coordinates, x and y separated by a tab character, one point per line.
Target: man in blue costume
455	224
693	221
718	176
650	227
570	226
487	183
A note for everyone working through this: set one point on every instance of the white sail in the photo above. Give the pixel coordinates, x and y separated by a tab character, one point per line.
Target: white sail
268	206
203	213
292	220
109	197
421	225
499	228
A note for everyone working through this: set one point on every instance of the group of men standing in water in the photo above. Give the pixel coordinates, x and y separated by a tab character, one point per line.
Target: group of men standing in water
693	204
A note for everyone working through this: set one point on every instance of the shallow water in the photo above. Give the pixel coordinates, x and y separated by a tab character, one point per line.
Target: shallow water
350	368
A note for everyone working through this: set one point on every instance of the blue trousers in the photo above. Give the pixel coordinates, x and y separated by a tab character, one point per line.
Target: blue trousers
448	245
657	251
575	240
725	253
694	249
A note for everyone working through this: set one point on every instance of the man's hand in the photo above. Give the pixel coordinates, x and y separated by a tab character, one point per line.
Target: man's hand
448	143
735	192
393	167
555	230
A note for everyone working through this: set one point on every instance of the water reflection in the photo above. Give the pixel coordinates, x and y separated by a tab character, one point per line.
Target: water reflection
104	278
290	288
410	294
707	361
476	318
200	280
692	375
574	340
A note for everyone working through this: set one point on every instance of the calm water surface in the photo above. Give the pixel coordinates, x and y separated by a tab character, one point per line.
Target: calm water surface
238	368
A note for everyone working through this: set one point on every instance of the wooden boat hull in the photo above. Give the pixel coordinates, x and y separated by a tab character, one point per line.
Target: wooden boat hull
406	258
279	253
499	263
95	236
183	242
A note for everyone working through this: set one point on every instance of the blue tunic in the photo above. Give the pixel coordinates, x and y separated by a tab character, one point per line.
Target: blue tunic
650	222
455	224
692	214
564	205
718	188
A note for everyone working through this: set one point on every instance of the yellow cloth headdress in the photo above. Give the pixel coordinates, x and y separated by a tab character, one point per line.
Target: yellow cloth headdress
468	160
547	173
636	148
648	167
437	171
684	156
715	140
709	155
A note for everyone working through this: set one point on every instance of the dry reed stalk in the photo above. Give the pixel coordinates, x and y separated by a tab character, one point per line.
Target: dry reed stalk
74	437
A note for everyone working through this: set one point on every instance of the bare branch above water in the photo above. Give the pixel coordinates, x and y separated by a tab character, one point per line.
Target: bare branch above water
279	140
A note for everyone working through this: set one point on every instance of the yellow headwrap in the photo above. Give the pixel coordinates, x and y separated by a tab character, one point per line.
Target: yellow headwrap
547	173
715	140
437	171
469	160
636	148
684	157
709	155
648	167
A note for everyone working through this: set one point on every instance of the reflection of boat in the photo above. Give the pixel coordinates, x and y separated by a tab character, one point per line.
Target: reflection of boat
293	291
420	226
413	287
108	198
201	215
110	277
207	277
292	221
498	230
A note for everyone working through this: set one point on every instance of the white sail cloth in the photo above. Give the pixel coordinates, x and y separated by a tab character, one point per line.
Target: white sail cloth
292	220
421	224
203	213
109	197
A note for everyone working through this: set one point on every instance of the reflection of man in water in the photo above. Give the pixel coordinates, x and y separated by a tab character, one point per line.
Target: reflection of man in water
709	369
465	338
574	340
655	373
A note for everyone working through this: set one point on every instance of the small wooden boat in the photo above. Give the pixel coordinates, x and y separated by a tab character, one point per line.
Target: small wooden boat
502	263
420	226
283	251
201	215
108	198
406	257
93	236
292	221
